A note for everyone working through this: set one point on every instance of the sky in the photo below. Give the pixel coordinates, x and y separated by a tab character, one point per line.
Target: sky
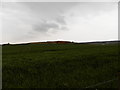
51	21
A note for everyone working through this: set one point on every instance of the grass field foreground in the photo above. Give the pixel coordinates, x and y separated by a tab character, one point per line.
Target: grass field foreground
59	65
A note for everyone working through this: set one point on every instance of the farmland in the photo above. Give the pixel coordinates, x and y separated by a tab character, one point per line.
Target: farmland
59	65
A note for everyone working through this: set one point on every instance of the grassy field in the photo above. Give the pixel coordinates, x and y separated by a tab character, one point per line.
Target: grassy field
59	65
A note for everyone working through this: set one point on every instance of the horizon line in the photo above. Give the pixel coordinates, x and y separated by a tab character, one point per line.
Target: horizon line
59	40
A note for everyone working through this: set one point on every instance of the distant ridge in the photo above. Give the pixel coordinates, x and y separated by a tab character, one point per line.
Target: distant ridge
54	42
68	42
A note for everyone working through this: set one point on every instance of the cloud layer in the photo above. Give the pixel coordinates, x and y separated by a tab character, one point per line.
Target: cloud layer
37	21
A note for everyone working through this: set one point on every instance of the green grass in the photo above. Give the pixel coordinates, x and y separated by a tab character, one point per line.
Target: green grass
59	65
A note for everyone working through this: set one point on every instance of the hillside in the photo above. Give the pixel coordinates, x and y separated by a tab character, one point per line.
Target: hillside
60	65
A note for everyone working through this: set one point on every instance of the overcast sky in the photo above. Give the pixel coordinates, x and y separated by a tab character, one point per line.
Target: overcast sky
47	21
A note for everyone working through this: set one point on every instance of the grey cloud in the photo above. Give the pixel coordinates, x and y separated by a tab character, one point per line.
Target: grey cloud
55	24
61	20
56	12
44	27
49	15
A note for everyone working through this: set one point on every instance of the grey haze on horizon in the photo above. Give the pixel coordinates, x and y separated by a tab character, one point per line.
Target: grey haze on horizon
73	21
